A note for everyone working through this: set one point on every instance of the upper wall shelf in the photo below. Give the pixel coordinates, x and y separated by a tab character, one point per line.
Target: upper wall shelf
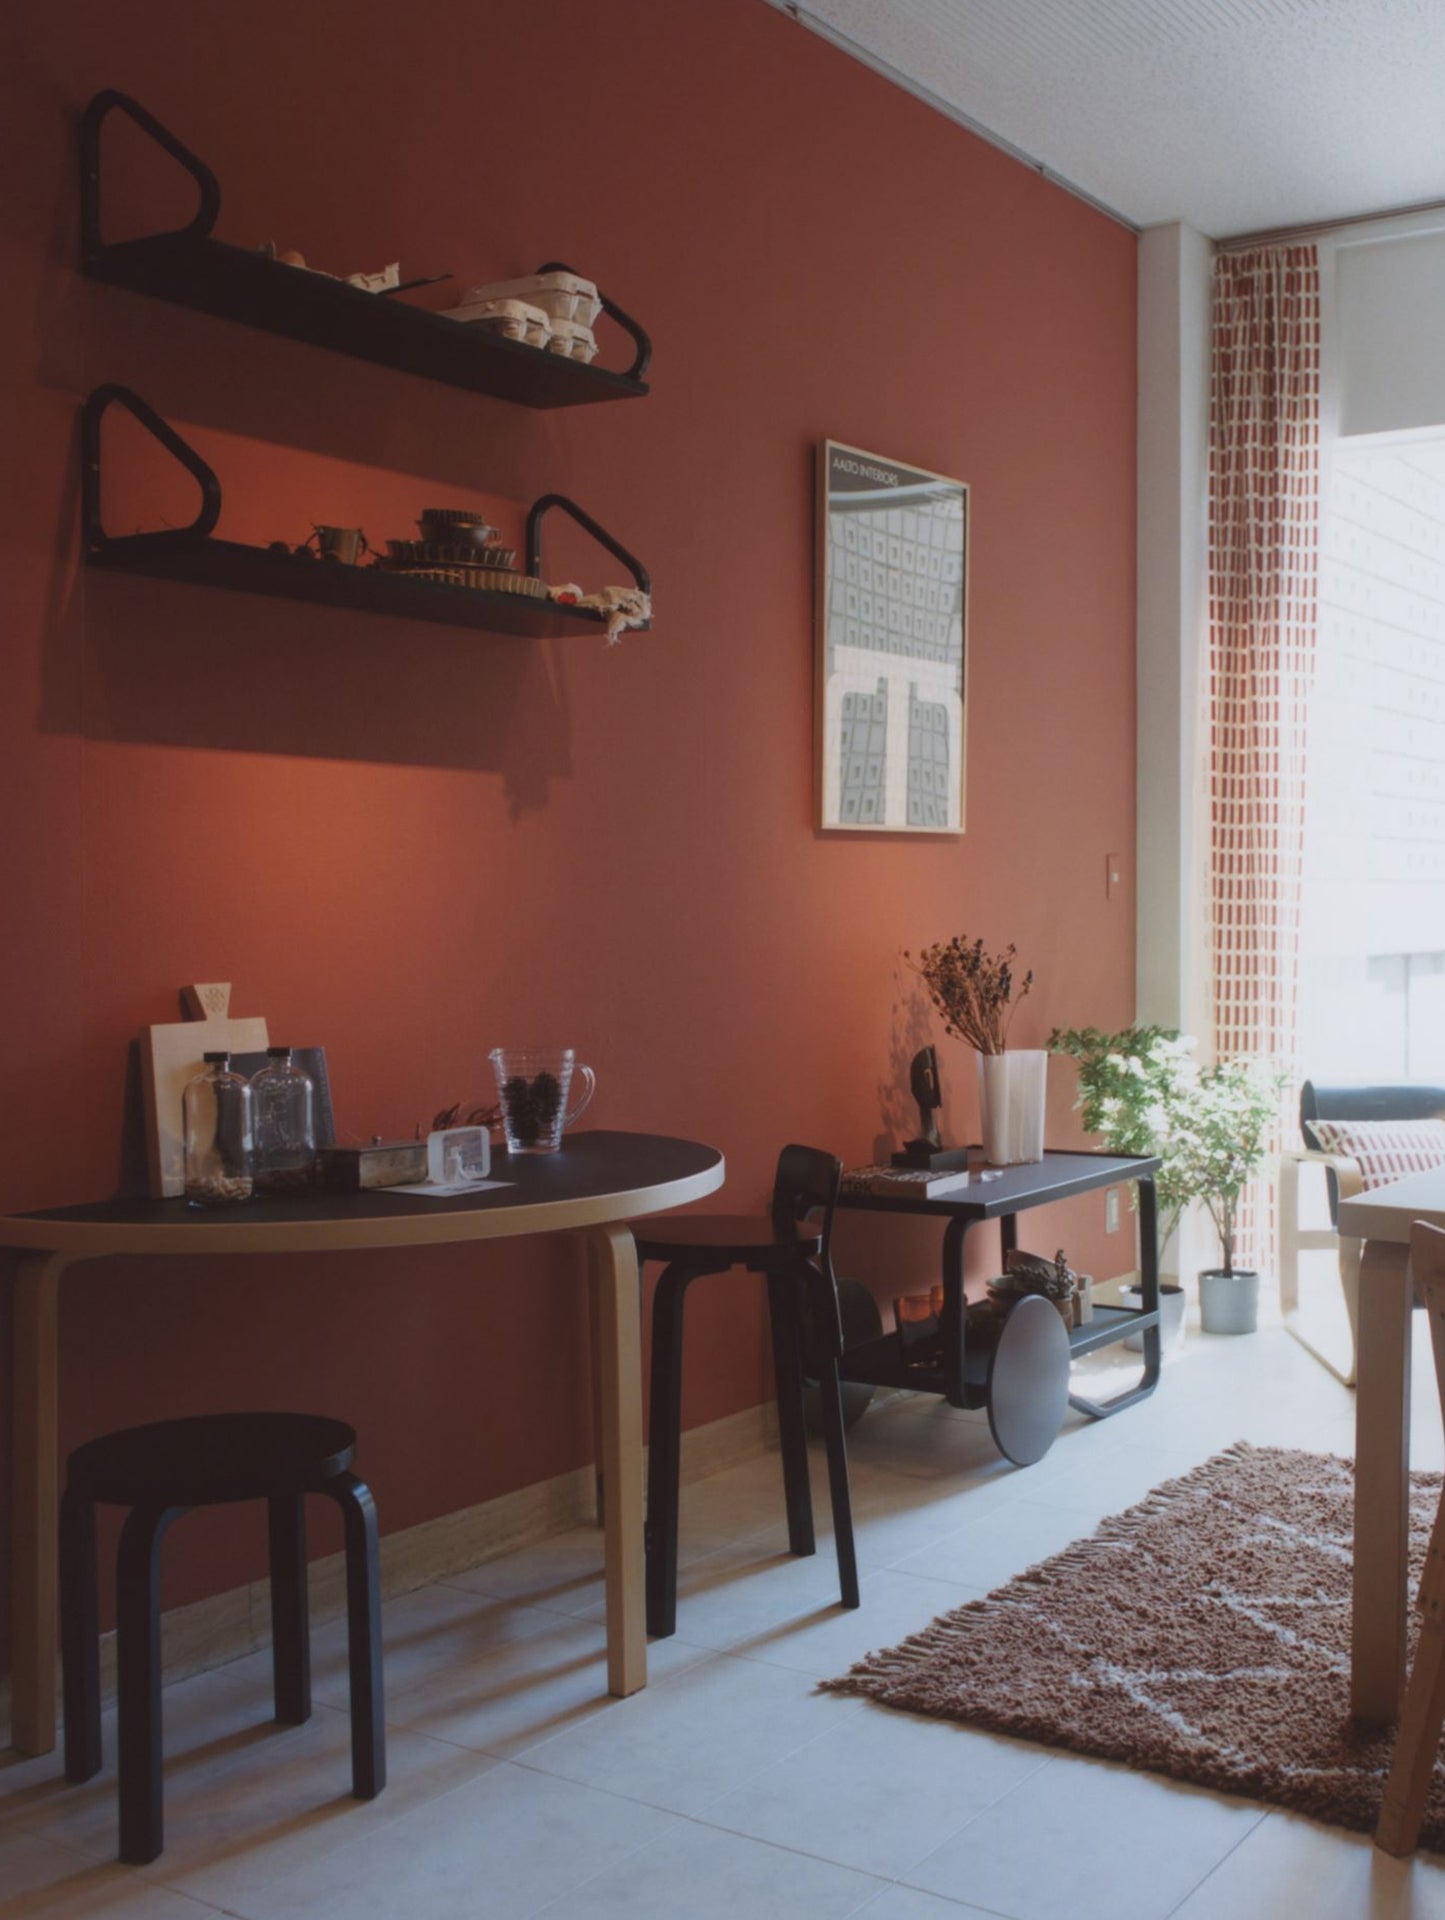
192	269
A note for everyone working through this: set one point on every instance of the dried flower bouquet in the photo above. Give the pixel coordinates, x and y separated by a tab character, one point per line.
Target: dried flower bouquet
973	990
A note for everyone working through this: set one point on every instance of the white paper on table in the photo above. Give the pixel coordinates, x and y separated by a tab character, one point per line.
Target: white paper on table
449	1190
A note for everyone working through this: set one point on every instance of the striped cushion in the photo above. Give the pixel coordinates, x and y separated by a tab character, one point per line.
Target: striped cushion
1384	1150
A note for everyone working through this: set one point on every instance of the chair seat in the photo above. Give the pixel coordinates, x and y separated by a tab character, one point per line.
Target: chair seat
723	1240
212	1459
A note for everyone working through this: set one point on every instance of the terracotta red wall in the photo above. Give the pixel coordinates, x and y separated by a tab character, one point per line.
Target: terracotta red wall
409	842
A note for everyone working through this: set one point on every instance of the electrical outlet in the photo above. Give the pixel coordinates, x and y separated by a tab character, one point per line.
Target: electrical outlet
1111	1210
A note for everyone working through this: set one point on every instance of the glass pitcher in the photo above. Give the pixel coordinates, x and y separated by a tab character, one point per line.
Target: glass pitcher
533	1084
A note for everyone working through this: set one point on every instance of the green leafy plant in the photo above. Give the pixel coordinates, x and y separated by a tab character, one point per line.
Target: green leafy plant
1143	1092
1220	1136
1131	1085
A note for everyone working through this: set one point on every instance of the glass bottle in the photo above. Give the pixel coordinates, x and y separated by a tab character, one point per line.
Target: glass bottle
285	1100
219	1141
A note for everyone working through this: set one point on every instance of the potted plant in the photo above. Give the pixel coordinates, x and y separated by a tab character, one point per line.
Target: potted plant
977	995
1218	1139
1129	1084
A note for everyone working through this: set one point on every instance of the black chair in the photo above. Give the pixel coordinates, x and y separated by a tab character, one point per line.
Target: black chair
160	1472
793	1257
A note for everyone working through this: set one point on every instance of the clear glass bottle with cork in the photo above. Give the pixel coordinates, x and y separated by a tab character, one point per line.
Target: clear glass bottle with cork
285	1103
216	1111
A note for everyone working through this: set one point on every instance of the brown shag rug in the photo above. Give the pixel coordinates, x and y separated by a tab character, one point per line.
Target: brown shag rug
1204	1634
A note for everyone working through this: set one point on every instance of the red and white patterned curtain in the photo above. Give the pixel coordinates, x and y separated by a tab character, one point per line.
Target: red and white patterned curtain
1264	500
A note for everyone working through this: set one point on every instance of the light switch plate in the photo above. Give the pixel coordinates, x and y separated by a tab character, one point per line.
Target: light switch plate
1111	1209
1113	875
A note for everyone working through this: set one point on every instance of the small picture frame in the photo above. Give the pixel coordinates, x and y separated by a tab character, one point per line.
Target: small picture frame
891	645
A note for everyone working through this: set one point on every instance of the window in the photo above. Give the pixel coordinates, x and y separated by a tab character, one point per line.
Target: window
1372	946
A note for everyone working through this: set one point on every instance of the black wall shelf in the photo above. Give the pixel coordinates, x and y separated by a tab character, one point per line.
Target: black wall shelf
193	269
288	576
228	281
194	555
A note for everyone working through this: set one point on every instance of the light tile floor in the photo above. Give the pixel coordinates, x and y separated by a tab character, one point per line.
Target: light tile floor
731	1787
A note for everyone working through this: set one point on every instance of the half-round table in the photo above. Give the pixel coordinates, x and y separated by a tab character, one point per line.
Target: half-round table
593	1186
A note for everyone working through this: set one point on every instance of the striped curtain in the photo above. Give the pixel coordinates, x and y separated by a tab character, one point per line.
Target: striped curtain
1264	488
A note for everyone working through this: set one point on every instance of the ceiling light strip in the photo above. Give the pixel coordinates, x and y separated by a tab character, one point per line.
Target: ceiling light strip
826	31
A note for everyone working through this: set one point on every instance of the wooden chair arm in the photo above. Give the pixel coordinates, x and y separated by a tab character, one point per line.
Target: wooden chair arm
1346	1171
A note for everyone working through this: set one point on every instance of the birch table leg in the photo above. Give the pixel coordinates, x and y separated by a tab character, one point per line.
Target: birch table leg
1382	1484
617	1358
34	1503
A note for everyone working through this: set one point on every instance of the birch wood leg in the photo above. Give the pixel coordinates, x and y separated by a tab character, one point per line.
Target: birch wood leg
34	1503
617	1359
1382	1490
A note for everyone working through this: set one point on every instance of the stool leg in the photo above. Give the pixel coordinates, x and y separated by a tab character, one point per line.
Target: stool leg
831	1395
363	1635
79	1637
784	1310
138	1661
290	1622
664	1449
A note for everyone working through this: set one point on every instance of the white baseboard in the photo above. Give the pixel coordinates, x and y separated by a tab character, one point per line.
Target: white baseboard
209	1633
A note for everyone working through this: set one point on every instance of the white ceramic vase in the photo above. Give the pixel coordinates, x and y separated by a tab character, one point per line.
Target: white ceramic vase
1172	1306
1011	1089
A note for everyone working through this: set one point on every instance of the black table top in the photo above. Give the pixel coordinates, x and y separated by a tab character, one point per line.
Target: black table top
1056	1177
593	1177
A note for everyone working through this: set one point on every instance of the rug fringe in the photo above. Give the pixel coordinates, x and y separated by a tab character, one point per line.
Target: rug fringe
951	1629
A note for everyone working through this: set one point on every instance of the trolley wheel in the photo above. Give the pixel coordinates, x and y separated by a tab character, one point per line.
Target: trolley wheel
1028	1381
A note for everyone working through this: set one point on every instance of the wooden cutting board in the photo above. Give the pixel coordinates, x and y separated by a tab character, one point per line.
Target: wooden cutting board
173	1054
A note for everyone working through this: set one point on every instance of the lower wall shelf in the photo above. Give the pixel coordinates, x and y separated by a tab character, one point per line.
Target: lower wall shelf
194	555
288	576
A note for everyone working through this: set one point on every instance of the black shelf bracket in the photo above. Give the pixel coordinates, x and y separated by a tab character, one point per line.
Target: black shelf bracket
97	540
640	338
538	512
207	212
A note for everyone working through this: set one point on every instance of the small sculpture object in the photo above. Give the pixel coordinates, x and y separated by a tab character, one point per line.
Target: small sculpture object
924	1086
1030	1273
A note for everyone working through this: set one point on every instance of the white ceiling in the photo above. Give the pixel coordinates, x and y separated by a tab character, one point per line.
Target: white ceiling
1234	115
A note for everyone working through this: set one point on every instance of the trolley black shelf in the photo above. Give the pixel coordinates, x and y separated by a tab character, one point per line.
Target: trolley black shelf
1024	1384
880	1363
191	268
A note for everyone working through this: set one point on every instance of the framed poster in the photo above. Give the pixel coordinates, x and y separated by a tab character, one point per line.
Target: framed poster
891	644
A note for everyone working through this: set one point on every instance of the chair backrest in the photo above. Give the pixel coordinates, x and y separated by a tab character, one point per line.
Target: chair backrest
1361	1101
807	1182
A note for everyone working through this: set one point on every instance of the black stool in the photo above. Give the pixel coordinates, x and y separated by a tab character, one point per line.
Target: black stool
160	1472
807	1331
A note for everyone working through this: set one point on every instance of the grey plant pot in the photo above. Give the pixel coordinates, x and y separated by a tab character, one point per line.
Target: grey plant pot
1229	1302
